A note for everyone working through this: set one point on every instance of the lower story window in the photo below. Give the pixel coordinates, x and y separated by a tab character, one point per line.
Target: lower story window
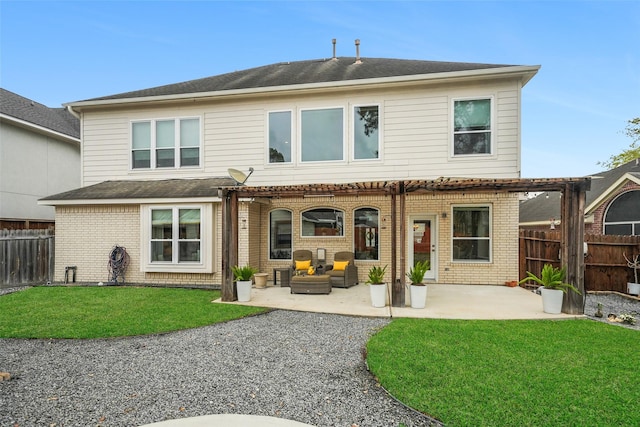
471	233
280	234
174	238
365	233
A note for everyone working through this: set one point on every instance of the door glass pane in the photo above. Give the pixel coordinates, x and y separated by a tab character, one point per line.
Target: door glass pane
280	137
280	234
421	241
322	134
365	129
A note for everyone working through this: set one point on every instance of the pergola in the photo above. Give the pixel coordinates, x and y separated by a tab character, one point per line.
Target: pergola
572	226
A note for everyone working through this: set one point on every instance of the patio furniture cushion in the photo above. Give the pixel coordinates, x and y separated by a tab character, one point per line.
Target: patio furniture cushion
303	265
340	265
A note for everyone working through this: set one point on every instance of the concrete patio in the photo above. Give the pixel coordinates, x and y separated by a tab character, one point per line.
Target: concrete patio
443	302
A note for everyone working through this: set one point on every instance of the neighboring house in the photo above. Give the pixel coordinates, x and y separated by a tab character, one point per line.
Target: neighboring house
612	205
39	156
394	160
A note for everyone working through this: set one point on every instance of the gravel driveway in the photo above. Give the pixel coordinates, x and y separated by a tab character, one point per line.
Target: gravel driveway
301	366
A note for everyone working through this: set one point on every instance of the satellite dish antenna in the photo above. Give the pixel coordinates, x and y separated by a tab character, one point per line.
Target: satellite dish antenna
239	176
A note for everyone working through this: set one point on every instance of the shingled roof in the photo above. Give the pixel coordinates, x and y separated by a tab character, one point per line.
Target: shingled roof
338	69
23	109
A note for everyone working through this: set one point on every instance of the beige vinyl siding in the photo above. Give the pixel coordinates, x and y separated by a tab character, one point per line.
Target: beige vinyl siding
416	137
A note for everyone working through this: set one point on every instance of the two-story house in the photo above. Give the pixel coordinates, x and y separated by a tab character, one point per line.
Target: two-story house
394	160
39	155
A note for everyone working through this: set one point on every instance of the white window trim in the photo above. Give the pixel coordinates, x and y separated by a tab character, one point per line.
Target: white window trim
292	143
493	153
176	148
490	238
352	129
206	241
344	136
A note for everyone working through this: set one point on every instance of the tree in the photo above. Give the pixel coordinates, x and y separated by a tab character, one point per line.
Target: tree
632	130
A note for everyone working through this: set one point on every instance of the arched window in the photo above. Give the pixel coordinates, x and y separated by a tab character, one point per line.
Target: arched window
623	214
321	222
280	234
366	231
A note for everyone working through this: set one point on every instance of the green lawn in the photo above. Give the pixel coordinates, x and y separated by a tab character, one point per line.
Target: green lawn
99	312
512	373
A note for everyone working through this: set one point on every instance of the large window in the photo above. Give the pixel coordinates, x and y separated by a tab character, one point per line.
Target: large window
322	135
322	222
472	127
280	234
366	144
471	233
176	239
166	143
623	215
280	137
366	233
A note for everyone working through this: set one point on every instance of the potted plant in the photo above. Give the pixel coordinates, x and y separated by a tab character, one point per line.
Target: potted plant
377	287
418	290
242	276
553	287
633	287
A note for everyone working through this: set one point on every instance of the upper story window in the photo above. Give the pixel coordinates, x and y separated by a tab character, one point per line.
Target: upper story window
471	233
322	135
365	233
280	137
623	215
366	141
165	143
472	127
322	222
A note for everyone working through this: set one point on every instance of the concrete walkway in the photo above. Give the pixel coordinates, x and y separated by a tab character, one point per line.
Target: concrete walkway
443	302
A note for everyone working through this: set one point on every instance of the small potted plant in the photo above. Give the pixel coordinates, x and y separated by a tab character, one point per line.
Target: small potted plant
553	287
377	287
633	287
418	290
242	276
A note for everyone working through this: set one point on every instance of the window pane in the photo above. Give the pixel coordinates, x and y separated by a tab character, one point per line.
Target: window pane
472	127
365	233
165	133
141	135
625	207
322	132
280	137
471	222
190	157
366	132
164	158
161	251
190	133
618	229
189	252
322	222
161	224
471	249
141	159
189	223
280	234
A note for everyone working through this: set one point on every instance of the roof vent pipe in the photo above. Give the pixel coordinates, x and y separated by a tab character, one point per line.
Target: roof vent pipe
334	49
358	52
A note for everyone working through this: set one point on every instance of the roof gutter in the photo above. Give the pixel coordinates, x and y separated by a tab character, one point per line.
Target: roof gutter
526	73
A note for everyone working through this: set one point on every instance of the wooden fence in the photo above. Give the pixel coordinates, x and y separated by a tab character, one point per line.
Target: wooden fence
26	256
605	266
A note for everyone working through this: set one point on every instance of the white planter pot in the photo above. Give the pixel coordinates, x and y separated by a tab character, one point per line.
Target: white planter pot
244	290
418	296
633	288
378	295
552	300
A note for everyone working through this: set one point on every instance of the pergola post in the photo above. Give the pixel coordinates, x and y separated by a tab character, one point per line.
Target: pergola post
229	243
572	245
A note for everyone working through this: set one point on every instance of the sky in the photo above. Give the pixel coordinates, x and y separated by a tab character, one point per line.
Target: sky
574	111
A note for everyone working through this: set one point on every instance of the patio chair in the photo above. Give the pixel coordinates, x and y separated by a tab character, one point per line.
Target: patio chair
343	275
302	260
